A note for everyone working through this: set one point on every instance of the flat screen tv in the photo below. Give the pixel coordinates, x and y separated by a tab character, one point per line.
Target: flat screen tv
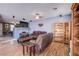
24	24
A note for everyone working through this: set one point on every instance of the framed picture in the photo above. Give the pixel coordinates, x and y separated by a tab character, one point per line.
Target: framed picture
40	24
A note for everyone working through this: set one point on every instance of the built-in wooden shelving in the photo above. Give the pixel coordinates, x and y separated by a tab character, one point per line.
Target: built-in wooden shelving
75	29
76	14
61	32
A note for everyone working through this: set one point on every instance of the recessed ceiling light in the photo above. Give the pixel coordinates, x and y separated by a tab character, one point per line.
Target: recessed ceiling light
13	16
23	18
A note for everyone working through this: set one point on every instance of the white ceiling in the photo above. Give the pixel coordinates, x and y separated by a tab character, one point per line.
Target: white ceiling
28	10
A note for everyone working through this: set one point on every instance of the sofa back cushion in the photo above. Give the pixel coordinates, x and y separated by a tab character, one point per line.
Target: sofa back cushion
36	33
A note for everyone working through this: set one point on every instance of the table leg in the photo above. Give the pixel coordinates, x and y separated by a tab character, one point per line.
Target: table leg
27	48
23	50
30	51
34	50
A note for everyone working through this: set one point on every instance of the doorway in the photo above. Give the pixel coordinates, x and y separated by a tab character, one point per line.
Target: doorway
8	29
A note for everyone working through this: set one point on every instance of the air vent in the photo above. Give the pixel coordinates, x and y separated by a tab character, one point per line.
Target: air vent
54	8
60	15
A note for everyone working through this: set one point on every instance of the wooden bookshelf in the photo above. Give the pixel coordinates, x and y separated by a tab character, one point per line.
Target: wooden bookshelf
75	29
77	24
61	32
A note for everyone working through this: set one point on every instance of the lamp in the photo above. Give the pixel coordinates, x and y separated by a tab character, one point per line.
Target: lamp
37	16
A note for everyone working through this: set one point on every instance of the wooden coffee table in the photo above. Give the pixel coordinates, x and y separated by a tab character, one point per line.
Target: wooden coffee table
30	46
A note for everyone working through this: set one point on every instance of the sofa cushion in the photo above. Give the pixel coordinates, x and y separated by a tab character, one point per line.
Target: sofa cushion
36	33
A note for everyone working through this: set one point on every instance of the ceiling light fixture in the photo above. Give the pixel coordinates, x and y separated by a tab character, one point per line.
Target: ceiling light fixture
37	16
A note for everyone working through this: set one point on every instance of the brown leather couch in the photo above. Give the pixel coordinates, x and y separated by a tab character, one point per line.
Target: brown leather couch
42	41
25	36
37	33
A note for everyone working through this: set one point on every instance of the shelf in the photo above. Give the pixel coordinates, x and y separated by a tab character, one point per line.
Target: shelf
61	32
76	36
76	14
76	41
76	49
77	24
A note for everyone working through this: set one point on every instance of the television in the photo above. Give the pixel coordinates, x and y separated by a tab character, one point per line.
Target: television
24	24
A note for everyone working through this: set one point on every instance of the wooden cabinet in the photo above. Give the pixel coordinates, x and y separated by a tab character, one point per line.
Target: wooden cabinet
61	32
75	29
1	29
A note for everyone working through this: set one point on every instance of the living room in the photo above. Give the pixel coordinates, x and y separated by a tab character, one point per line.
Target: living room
35	26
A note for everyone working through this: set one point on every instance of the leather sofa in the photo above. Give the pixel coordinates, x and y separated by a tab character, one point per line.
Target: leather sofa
42	41
25	36
37	33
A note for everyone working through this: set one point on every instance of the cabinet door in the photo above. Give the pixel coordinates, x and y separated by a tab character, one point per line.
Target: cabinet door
61	32
0	29
59	29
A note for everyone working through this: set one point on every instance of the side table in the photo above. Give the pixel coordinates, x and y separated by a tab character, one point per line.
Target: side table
30	46
21	40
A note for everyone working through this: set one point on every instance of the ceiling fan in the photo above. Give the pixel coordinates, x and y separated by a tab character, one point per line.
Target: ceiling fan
37	16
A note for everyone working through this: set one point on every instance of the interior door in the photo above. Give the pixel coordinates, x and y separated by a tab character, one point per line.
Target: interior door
0	29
